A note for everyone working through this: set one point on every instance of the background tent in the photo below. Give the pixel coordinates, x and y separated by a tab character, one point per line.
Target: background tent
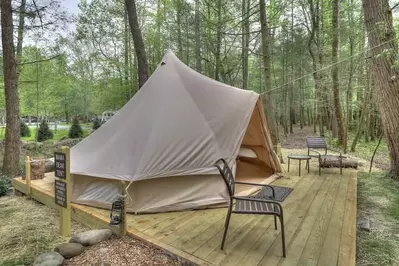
165	140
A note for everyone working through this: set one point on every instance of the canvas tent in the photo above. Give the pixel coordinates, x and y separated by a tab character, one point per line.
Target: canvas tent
165	140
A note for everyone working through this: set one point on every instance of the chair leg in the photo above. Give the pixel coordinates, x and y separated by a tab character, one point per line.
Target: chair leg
226	227
282	233
275	222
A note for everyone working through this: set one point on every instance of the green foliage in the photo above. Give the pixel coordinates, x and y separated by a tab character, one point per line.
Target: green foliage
5	184
96	124
25	131
75	131
44	132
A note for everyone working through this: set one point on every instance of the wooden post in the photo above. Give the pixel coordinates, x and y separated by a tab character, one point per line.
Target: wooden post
124	220
27	175
65	211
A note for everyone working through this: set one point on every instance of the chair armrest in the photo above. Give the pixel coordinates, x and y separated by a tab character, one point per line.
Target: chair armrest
256	184
259	200
312	150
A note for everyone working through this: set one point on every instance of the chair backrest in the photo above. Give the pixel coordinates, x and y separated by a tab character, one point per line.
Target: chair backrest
227	175
316	143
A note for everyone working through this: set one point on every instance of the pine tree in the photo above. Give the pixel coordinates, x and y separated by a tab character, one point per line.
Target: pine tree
75	131
44	132
25	131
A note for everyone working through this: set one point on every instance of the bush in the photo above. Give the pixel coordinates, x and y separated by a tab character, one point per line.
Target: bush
25	131
96	124
5	184
75	131
44	132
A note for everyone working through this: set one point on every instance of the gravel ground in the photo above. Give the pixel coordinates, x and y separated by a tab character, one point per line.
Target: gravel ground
122	251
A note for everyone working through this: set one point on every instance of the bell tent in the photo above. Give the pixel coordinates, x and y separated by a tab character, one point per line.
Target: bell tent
164	142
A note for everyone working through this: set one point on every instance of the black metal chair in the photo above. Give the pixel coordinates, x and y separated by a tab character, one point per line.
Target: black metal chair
251	204
319	143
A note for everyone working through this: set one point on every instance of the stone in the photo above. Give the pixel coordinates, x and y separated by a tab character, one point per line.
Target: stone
69	250
49	259
363	224
91	237
49	166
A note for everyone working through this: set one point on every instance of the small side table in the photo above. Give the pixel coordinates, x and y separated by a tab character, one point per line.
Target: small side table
300	158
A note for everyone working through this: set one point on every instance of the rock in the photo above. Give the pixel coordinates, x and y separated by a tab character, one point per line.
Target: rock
69	250
363	224
49	259
91	237
49	166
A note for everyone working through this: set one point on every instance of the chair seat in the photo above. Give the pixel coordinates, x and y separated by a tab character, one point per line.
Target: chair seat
255	207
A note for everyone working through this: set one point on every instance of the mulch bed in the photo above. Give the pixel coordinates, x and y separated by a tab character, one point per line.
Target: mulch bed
122	251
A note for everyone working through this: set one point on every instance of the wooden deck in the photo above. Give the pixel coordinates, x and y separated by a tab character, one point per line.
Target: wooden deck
320	224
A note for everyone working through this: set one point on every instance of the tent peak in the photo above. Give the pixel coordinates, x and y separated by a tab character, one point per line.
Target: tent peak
168	53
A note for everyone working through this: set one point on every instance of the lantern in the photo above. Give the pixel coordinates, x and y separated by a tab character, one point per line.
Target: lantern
116	213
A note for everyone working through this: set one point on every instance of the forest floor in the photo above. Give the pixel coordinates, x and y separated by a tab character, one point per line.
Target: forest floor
378	199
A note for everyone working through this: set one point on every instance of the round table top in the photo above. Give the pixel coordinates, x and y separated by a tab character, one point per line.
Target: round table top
299	157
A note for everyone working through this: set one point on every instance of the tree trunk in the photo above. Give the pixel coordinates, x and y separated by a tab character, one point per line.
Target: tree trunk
382	39
12	145
126	56
20	37
267	68
197	37
178	22
335	47
245	42
137	41
218	39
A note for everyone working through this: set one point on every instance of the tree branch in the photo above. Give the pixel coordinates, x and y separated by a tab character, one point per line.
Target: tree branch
38	61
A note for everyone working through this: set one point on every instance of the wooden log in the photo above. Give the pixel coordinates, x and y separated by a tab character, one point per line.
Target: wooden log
334	162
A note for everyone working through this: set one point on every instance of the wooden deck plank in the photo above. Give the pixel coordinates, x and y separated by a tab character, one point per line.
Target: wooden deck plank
200	234
271	239
252	249
238	224
347	252
165	223
205	217
328	255
336	198
241	249
304	228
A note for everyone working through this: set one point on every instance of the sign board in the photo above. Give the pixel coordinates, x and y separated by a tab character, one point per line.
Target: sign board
60	164
60	193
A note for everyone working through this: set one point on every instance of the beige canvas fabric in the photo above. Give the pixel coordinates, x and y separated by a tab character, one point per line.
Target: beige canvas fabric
165	140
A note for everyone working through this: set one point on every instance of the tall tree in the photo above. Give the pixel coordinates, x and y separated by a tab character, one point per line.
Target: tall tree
137	41
11	156
384	52
245	42
197	37
334	71
267	71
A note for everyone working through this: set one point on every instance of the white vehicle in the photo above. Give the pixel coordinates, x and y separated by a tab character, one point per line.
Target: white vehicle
107	115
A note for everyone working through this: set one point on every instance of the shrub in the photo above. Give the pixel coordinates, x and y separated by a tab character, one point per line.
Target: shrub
25	131
96	124
75	131
5	184
44	132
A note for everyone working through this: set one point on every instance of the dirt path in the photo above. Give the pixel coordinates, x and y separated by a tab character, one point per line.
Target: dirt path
296	143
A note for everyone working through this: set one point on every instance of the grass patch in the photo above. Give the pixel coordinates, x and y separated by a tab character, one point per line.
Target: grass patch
378	199
27	229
